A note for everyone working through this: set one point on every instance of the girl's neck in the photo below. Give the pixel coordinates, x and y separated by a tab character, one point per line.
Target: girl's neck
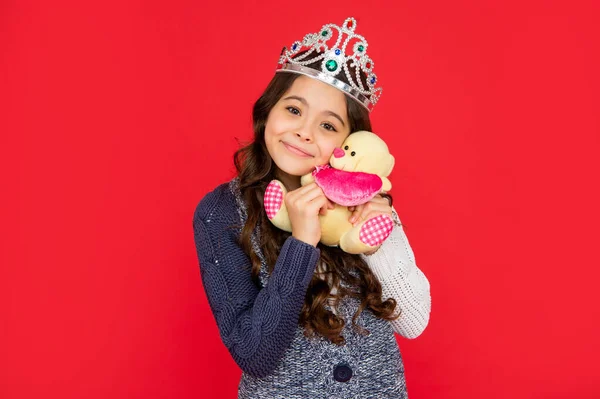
290	182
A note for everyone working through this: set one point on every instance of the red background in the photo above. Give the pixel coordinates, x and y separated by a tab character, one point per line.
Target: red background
117	117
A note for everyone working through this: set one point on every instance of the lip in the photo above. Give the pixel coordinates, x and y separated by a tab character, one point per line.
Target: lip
296	150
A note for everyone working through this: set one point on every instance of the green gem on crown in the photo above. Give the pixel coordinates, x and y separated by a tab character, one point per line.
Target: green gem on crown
331	65
324	33
361	48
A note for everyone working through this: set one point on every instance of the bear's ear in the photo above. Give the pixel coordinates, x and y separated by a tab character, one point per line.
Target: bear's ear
392	161
387	184
307	179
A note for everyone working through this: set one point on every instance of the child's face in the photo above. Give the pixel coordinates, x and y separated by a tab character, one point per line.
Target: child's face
305	126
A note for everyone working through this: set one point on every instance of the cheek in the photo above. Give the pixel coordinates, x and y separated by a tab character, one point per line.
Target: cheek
333	144
272	133
326	150
270	138
276	124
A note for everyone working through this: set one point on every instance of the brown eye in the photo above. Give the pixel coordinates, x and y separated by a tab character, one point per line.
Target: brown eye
329	127
293	110
346	147
353	153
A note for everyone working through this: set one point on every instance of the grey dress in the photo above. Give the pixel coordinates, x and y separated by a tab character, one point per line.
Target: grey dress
365	367
259	323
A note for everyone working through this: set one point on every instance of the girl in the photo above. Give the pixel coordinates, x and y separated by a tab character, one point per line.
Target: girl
303	320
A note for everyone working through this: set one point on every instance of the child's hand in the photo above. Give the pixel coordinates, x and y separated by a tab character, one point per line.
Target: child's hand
377	206
304	205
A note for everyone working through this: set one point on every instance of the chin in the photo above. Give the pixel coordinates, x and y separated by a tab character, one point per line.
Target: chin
296	170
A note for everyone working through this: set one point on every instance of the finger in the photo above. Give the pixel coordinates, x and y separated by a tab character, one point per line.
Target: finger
314	193
321	202
370	215
318	204
355	213
380	200
351	208
307	194
358	216
369	210
373	211
300	191
382	204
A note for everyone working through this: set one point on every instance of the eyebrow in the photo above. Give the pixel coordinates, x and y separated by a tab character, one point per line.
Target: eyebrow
328	112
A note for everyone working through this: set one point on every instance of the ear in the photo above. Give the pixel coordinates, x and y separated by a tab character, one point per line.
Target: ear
392	163
307	179
387	184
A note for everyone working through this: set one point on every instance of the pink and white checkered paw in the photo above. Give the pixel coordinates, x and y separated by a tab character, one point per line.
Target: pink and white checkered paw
376	230
273	199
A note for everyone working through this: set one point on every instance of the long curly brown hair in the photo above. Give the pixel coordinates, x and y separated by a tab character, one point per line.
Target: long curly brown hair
255	170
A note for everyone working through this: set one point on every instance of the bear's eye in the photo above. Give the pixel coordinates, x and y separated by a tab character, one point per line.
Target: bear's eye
353	153
346	147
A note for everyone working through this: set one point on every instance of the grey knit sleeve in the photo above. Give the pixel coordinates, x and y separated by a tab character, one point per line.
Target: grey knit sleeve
256	325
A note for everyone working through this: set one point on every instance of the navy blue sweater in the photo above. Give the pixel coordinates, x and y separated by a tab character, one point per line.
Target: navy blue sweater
256	324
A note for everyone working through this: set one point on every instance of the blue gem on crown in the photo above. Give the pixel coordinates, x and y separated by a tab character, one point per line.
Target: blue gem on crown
335	60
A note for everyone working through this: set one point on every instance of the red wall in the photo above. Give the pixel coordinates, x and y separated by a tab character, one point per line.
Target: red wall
117	117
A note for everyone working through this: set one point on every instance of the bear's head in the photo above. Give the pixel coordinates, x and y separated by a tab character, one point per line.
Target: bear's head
363	152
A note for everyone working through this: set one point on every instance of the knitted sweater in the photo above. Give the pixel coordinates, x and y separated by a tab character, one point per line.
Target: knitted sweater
259	324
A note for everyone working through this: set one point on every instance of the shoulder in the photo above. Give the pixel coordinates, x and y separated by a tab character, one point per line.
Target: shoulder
216	221
219	201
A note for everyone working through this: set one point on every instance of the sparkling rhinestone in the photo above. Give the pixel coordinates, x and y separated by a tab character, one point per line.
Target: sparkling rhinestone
331	65
331	61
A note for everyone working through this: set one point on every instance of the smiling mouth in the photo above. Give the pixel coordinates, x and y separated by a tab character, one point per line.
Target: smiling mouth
296	150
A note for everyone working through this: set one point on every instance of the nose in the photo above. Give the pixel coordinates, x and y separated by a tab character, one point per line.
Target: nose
305	135
338	152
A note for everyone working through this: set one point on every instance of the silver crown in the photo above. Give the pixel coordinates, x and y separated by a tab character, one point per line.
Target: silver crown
335	61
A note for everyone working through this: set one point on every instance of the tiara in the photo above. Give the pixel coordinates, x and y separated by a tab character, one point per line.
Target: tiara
335	61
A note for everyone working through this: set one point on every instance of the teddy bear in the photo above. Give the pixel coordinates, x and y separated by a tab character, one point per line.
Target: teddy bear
356	173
